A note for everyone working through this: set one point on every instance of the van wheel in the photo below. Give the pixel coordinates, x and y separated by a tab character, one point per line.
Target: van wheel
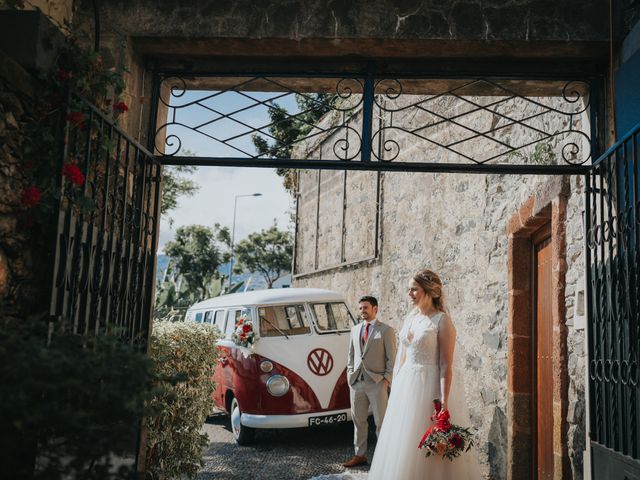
243	435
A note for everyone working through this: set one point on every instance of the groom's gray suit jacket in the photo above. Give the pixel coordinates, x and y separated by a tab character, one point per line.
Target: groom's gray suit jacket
377	356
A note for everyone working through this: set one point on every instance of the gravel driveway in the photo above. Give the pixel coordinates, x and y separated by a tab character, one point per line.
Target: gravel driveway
291	454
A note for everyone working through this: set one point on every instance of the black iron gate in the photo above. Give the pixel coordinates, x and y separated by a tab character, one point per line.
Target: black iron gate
613	273
106	230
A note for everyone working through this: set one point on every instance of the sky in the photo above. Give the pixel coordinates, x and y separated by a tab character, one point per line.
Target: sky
214	202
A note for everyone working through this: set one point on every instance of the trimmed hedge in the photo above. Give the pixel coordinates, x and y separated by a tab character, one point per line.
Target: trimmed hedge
185	356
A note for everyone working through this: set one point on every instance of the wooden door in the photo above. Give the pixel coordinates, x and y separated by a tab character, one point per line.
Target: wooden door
544	355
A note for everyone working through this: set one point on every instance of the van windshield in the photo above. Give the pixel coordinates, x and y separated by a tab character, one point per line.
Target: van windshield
332	316
277	321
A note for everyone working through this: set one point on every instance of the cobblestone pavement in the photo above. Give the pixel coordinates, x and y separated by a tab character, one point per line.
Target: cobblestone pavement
288	454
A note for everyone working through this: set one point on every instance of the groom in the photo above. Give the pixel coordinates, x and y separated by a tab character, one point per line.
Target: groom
372	352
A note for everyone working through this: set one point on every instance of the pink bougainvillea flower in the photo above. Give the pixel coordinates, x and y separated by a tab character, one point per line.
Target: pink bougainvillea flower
31	196
77	118
73	174
120	107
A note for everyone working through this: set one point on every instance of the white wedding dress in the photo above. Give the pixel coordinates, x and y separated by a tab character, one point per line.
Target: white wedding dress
416	383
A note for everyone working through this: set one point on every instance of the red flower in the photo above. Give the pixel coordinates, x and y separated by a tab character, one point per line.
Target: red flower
120	107
456	440
73	174
246	328
64	75
31	196
243	336
77	118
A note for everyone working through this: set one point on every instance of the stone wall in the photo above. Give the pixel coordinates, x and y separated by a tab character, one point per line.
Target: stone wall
17	93
456	224
468	19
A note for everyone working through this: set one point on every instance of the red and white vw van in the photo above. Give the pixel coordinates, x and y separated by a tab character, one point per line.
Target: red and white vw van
294	374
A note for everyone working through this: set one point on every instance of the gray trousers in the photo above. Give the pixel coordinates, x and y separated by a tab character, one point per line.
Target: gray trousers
365	393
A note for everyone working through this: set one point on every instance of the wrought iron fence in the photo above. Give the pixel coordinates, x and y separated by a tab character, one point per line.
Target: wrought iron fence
368	122
106	229
613	269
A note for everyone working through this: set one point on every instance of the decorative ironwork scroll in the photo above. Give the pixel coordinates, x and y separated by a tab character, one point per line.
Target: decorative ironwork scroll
613	263
477	121
106	231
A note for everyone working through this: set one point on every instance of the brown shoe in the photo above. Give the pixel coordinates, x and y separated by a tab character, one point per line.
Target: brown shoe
355	461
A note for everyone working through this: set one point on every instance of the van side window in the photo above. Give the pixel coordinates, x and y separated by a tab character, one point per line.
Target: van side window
208	316
199	317
332	316
218	319
277	321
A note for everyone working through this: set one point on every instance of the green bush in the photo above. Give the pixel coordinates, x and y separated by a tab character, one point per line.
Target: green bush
185	356
70	405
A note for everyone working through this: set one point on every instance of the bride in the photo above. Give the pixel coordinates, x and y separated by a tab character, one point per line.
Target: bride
423	371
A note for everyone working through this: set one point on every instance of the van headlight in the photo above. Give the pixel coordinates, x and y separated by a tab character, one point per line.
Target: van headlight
266	366
277	385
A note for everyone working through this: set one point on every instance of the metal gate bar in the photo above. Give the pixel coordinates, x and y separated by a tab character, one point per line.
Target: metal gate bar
106	230
613	306
557	115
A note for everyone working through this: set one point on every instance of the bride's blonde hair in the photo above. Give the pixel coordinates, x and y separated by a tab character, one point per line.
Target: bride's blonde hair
432	285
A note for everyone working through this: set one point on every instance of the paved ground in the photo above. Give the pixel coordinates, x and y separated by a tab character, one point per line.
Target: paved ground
291	454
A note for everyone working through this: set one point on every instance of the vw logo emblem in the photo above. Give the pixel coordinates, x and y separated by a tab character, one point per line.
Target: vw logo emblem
320	362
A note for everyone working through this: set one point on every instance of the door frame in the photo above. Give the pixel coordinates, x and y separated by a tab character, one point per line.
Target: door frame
547	206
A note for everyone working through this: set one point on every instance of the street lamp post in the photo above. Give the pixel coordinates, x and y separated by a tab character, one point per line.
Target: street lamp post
233	231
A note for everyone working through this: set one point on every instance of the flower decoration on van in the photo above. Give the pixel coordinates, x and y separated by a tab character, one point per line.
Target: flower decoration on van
243	335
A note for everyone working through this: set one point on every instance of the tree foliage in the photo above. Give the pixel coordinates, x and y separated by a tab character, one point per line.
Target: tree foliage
70	404
268	252
198	251
176	183
287	129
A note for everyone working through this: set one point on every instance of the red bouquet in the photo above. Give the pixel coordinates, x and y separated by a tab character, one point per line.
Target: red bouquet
443	438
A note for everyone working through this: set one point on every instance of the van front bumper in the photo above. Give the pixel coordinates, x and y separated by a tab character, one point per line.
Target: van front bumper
286	421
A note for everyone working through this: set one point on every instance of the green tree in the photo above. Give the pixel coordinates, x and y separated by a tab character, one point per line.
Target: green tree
198	251
176	183
287	129
267	252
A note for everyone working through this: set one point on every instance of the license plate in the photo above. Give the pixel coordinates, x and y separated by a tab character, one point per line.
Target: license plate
327	419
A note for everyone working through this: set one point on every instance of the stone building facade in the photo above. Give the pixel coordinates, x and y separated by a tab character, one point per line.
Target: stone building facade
366	233
18	91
